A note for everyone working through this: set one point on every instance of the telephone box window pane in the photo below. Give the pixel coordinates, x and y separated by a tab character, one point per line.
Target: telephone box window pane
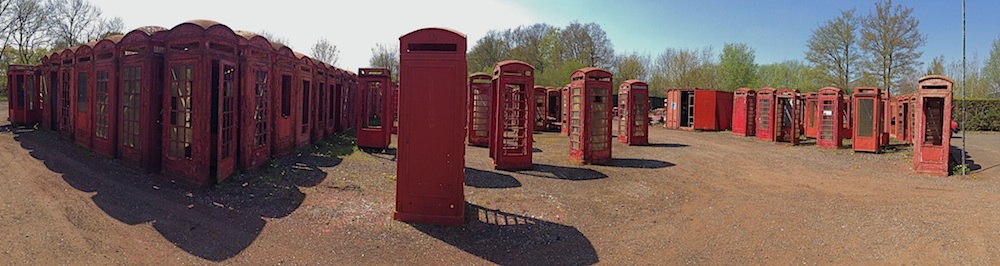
260	111
371	105
765	109
81	92
866	116
305	107
286	96
180	128
102	105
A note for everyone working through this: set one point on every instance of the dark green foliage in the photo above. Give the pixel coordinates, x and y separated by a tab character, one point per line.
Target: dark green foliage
983	114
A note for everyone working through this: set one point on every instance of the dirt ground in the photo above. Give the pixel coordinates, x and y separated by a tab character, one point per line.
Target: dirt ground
689	198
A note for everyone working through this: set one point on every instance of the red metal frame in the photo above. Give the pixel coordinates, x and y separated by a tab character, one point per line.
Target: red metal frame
286	115
255	111
374	117
932	142
67	96
886	117
200	102
539	108
319	101
23	87
765	114
83	88
480	97
811	118
633	107
744	110
590	133
553	108
332	101
49	75
431	165
513	119
786	110
141	82
304	105
394	106
847	115
105	114
828	118
867	133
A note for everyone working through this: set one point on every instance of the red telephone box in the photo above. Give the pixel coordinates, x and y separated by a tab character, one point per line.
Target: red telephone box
200	104
828	118
744	108
345	101
932	142
304	90
68	93
786	109
83	85
337	87
539	108
374	128
141	79
554	107
432	108
106	68
49	75
513	118
332	101
867	135
564	91
811	118
318	101
886	117
911	117
590	118
24	103
633	108
480	91
847	114
766	114
394	107
352	100
286	114
255	115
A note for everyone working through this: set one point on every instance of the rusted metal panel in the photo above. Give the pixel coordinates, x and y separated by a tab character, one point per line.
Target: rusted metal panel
713	110
590	115
513	115
932	141
744	110
256	60
432	110
374	117
633	112
286	119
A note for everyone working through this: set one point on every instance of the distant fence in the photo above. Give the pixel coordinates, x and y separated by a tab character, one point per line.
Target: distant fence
983	114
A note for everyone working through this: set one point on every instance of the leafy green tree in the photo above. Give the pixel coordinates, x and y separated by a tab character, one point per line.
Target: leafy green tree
386	56
587	43
991	70
833	50
632	66
936	66
891	37
737	67
790	74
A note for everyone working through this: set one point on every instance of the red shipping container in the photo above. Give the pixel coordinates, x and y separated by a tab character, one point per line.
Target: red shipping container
932	142
744	110
590	116
513	118
480	91
699	109
633	105
432	108
374	128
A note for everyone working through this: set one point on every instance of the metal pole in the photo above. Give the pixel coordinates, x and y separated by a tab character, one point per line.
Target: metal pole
965	103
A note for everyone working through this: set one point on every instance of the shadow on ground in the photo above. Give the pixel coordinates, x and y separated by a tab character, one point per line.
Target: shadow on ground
213	224
562	172
638	163
665	145
956	159
488	179
511	239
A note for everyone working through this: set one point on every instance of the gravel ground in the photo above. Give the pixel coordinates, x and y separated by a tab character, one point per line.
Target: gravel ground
689	198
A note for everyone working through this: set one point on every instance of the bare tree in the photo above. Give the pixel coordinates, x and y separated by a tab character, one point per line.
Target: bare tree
71	21
833	50
27	29
632	66
386	56
684	68
275	38
324	51
892	40
587	43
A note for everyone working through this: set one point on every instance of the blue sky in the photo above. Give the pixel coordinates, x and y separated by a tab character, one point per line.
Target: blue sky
777	30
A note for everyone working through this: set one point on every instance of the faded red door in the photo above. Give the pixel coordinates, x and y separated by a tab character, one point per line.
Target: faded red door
225	124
